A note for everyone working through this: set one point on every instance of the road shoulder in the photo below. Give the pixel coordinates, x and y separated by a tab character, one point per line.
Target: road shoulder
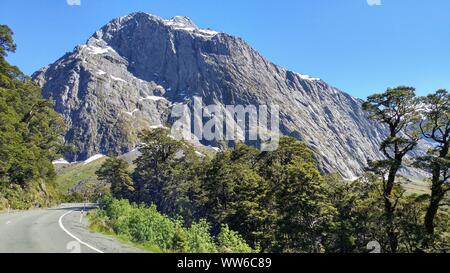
78	226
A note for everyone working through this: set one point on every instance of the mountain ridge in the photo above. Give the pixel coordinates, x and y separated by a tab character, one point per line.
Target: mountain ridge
131	71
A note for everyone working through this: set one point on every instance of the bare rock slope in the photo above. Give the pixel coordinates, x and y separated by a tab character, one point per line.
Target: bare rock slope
130	72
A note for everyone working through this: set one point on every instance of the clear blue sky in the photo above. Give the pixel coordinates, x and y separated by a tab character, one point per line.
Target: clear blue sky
354	46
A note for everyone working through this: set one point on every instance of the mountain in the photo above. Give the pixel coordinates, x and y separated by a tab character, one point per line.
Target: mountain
131	71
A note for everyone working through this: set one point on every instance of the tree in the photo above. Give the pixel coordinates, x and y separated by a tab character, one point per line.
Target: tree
295	197
30	134
435	127
6	41
397	109
349	230
116	172
409	220
303	211
288	150
166	174
7	71
236	194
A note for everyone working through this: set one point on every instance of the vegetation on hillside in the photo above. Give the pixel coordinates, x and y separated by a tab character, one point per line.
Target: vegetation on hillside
277	201
30	136
78	182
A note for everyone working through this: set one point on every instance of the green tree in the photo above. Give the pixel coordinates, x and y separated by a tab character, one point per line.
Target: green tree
6	41
30	134
236	194
166	174
409	220
7	72
360	211
348	231
397	109
270	163
303	210
116	172
287	170
435	127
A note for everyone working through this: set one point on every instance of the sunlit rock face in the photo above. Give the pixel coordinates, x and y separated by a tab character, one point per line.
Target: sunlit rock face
132	71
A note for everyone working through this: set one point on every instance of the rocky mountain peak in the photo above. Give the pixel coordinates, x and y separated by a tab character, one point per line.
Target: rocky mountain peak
131	71
181	22
142	22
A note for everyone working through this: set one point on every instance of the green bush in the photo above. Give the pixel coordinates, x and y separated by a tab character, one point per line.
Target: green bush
200	240
146	226
232	242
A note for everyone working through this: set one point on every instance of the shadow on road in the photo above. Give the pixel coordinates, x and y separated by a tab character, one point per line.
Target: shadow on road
77	207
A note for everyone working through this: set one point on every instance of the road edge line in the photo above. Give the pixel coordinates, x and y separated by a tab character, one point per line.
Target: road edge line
73	236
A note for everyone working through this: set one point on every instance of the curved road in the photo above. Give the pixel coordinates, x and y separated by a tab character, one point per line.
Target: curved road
55	230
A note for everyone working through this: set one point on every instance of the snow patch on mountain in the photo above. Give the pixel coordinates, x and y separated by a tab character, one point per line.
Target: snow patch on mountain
307	77
117	79
93	158
61	161
132	112
153	98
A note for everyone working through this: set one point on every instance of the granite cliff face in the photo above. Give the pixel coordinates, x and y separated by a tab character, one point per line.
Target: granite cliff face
129	74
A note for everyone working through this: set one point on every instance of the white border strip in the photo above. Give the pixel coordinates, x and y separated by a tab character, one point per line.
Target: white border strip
73	236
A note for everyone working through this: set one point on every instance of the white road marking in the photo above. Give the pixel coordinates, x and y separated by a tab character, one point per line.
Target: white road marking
73	236
9	222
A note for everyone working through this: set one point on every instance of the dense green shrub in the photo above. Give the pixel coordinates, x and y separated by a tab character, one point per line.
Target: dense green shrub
199	238
146	226
231	242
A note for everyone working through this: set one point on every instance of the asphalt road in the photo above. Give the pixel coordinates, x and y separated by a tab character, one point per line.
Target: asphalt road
55	230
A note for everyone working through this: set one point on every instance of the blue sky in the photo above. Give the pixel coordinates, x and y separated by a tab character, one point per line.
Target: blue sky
352	45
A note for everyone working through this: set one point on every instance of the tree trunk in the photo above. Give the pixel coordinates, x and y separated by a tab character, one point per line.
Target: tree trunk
430	215
390	229
389	207
437	194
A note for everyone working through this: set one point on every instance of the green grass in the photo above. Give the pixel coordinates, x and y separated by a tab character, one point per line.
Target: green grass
69	176
417	188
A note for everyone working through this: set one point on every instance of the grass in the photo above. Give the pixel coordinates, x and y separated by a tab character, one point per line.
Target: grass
415	186
69	176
